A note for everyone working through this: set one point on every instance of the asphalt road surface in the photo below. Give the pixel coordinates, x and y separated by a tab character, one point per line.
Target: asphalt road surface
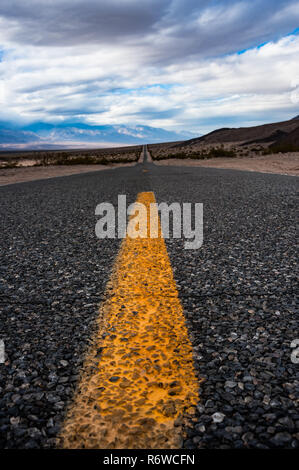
238	293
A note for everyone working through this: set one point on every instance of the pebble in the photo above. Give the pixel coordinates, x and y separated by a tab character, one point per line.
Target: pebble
218	417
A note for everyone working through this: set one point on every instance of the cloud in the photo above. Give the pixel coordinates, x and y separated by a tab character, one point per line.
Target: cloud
170	63
73	22
166	29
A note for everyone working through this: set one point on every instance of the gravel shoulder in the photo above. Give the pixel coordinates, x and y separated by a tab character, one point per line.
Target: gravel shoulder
286	164
23	174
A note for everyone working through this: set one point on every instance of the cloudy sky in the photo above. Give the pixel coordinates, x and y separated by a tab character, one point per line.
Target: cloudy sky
189	65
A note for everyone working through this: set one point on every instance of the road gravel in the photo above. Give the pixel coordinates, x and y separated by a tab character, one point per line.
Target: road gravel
238	293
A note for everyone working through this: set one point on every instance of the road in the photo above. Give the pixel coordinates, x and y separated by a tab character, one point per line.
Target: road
237	292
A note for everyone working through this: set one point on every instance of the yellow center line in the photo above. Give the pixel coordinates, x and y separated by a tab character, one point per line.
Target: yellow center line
138	381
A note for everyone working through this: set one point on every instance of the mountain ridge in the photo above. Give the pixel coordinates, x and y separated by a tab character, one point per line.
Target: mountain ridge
247	135
46	135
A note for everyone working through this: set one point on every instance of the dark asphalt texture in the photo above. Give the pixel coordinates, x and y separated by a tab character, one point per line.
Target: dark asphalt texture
238	292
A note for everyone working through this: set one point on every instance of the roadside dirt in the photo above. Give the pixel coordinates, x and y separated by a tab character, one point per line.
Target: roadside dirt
286	164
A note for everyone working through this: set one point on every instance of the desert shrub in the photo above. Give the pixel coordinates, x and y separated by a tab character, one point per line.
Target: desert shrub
212	153
97	159
65	160
10	165
221	153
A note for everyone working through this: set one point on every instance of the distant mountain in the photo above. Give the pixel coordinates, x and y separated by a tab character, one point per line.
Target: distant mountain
42	135
248	135
18	136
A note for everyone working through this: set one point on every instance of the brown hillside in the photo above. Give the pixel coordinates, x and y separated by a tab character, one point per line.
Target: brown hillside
287	143
264	133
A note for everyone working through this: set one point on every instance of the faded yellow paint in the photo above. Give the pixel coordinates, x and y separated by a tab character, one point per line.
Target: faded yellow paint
138	381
